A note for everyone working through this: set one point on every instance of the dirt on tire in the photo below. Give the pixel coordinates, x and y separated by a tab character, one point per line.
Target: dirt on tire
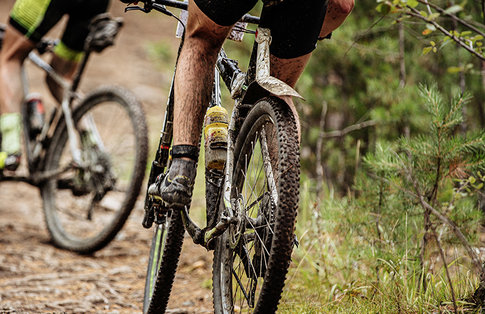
35	276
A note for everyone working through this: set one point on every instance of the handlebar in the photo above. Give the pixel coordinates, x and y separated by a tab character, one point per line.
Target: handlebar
159	5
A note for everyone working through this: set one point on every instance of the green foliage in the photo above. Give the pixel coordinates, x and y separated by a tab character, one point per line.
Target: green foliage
431	168
435	17
362	253
355	258
434	157
357	74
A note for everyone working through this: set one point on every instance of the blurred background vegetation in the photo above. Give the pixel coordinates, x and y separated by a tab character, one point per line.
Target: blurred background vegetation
391	103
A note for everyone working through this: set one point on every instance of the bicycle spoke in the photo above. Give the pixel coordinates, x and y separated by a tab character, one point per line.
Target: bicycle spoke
261	240
243	290
123	189
268	168
257	168
250	272
92	204
250	206
248	169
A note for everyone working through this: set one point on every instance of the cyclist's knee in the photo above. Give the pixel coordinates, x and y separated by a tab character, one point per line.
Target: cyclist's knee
342	7
202	29
16	47
289	70
337	12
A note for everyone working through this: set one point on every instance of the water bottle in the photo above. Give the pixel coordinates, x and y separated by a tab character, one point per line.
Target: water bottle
215	137
36	113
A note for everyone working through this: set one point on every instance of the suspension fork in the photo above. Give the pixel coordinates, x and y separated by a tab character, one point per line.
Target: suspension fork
160	163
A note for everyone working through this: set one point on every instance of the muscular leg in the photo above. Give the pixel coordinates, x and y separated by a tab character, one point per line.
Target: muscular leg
193	83
195	75
192	92
66	69
289	70
198	56
14	51
193	86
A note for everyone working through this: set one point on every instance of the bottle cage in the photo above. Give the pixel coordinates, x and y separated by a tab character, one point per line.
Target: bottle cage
102	32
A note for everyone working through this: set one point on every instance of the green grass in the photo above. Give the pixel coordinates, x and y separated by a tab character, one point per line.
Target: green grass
339	266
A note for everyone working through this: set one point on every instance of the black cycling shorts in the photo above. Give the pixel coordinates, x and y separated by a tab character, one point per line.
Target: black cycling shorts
294	24
34	18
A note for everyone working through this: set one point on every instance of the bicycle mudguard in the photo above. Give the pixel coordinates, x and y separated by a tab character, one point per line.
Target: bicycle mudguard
264	84
254	92
263	77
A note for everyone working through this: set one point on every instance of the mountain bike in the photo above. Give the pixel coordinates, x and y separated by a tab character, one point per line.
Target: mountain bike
89	155
252	186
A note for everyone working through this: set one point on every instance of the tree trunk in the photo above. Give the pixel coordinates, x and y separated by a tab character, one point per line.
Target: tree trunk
320	171
482	102
402	63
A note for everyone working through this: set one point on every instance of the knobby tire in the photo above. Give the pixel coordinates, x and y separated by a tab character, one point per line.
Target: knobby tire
120	122
268	249
164	256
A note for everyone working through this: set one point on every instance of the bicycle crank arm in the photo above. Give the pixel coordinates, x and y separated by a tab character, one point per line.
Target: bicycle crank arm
47	175
192	229
205	236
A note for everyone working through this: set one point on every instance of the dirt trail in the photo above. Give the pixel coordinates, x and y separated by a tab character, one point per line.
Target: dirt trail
36	277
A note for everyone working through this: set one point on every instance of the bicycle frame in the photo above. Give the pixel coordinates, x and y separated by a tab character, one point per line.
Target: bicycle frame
69	94
245	88
35	148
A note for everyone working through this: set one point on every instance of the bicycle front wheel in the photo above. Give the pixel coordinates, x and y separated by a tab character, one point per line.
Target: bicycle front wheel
251	259
87	204
164	256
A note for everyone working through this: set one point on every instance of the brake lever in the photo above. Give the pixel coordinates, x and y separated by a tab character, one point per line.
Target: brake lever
137	8
161	8
149	6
